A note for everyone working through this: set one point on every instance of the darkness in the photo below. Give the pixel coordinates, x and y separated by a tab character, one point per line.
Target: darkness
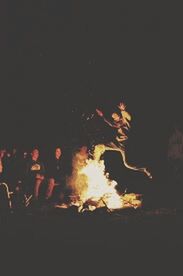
62	59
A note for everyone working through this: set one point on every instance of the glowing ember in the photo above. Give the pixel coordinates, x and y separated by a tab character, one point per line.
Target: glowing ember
99	187
92	187
90	184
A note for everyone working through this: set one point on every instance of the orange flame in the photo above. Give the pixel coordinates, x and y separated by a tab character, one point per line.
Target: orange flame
91	184
99	187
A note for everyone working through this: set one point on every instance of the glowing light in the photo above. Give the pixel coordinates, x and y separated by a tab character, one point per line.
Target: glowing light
92	186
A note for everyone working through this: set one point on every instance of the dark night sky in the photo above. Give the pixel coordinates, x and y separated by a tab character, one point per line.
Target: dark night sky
61	57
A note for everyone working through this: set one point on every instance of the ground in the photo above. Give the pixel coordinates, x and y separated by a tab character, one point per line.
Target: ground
129	240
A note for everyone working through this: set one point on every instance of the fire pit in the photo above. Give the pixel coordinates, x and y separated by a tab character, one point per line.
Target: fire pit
92	187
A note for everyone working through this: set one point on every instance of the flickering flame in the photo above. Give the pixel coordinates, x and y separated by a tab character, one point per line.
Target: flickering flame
92	187
99	187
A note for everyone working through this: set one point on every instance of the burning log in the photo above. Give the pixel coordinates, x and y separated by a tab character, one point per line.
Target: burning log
92	187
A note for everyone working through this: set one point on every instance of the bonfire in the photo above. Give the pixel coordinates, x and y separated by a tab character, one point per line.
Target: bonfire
92	187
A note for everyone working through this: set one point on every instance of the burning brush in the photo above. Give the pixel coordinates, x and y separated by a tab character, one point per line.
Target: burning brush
92	188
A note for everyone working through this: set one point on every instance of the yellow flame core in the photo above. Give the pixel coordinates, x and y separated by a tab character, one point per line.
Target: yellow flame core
91	184
99	187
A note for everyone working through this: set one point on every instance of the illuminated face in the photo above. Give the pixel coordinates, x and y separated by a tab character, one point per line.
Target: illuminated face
58	153
2	153
115	117
35	154
84	149
122	106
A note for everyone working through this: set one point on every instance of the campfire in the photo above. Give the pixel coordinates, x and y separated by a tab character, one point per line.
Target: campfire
92	187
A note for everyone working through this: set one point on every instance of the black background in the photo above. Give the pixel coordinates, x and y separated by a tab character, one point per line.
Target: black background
62	59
